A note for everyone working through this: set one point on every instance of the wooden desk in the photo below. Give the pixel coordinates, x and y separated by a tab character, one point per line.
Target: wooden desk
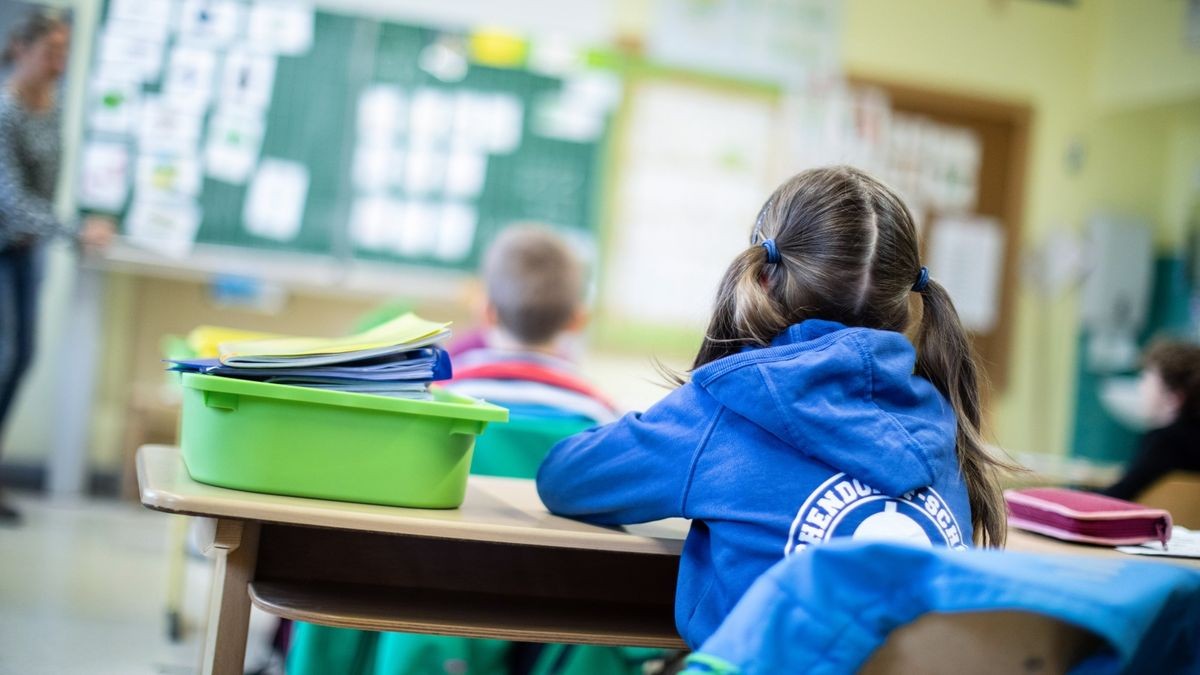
1028	542
500	567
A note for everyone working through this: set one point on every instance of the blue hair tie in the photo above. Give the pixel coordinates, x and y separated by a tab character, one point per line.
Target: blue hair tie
922	280
772	251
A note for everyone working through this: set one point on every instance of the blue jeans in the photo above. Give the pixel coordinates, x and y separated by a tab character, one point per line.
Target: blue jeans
20	275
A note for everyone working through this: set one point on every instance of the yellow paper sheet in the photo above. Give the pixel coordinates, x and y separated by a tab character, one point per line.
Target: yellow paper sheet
403	329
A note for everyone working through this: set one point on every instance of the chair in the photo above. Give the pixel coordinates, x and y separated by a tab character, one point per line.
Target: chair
883	608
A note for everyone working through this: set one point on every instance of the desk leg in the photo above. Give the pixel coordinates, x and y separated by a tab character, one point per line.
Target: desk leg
234	547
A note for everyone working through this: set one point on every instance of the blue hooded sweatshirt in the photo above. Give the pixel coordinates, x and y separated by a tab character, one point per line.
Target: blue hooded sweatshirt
825	433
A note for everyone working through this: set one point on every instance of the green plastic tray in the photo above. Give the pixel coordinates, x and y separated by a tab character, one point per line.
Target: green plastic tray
352	447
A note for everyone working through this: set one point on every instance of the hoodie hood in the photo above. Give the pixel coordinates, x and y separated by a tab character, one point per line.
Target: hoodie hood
844	396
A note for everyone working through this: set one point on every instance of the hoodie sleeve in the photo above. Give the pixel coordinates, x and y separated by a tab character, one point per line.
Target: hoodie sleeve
634	470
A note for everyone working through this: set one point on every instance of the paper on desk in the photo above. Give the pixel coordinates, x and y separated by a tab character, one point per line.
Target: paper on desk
407	330
1184	543
275	203
104	176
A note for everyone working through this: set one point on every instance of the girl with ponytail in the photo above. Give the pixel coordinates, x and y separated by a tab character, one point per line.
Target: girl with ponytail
808	413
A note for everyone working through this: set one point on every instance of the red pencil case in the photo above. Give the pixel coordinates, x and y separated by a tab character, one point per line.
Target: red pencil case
1083	516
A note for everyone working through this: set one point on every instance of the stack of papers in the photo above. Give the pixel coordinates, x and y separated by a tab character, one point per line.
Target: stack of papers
399	358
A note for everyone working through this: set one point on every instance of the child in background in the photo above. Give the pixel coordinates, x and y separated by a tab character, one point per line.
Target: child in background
535	307
808	414
1170	392
534	311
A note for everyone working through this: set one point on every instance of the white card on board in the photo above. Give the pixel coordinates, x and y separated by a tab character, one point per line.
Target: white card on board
280	27
234	141
191	77
168	174
211	23
164	225
104	176
248	79
275	203
456	234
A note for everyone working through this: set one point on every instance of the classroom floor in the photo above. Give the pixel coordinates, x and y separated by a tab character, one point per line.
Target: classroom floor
83	586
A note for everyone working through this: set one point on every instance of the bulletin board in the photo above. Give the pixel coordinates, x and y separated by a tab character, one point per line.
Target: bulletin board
283	169
1002	129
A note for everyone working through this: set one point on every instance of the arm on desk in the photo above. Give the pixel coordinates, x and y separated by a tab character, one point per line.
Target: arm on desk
634	470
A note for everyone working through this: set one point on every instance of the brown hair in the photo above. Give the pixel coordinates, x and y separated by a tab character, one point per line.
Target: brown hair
534	281
36	25
848	252
1179	365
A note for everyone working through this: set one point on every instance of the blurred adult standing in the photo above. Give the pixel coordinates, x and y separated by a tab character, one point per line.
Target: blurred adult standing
30	157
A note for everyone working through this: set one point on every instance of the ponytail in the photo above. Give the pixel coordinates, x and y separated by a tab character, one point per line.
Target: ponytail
744	313
945	358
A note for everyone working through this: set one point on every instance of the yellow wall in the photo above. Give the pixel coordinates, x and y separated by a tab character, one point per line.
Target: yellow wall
1077	67
1141	57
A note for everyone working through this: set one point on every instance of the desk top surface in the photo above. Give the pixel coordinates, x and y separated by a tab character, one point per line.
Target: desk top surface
501	510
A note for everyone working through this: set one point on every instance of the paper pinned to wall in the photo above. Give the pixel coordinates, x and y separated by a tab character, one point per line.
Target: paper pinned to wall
113	105
466	172
275	202
233	143
456	233
146	12
282	27
163	224
104	176
372	170
248	79
432	116
191	77
424	170
168	174
966	256
472	119
211	23
416	235
507	117
128	50
373	219
167	126
381	114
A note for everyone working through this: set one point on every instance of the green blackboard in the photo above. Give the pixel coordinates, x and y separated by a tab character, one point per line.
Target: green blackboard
312	120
